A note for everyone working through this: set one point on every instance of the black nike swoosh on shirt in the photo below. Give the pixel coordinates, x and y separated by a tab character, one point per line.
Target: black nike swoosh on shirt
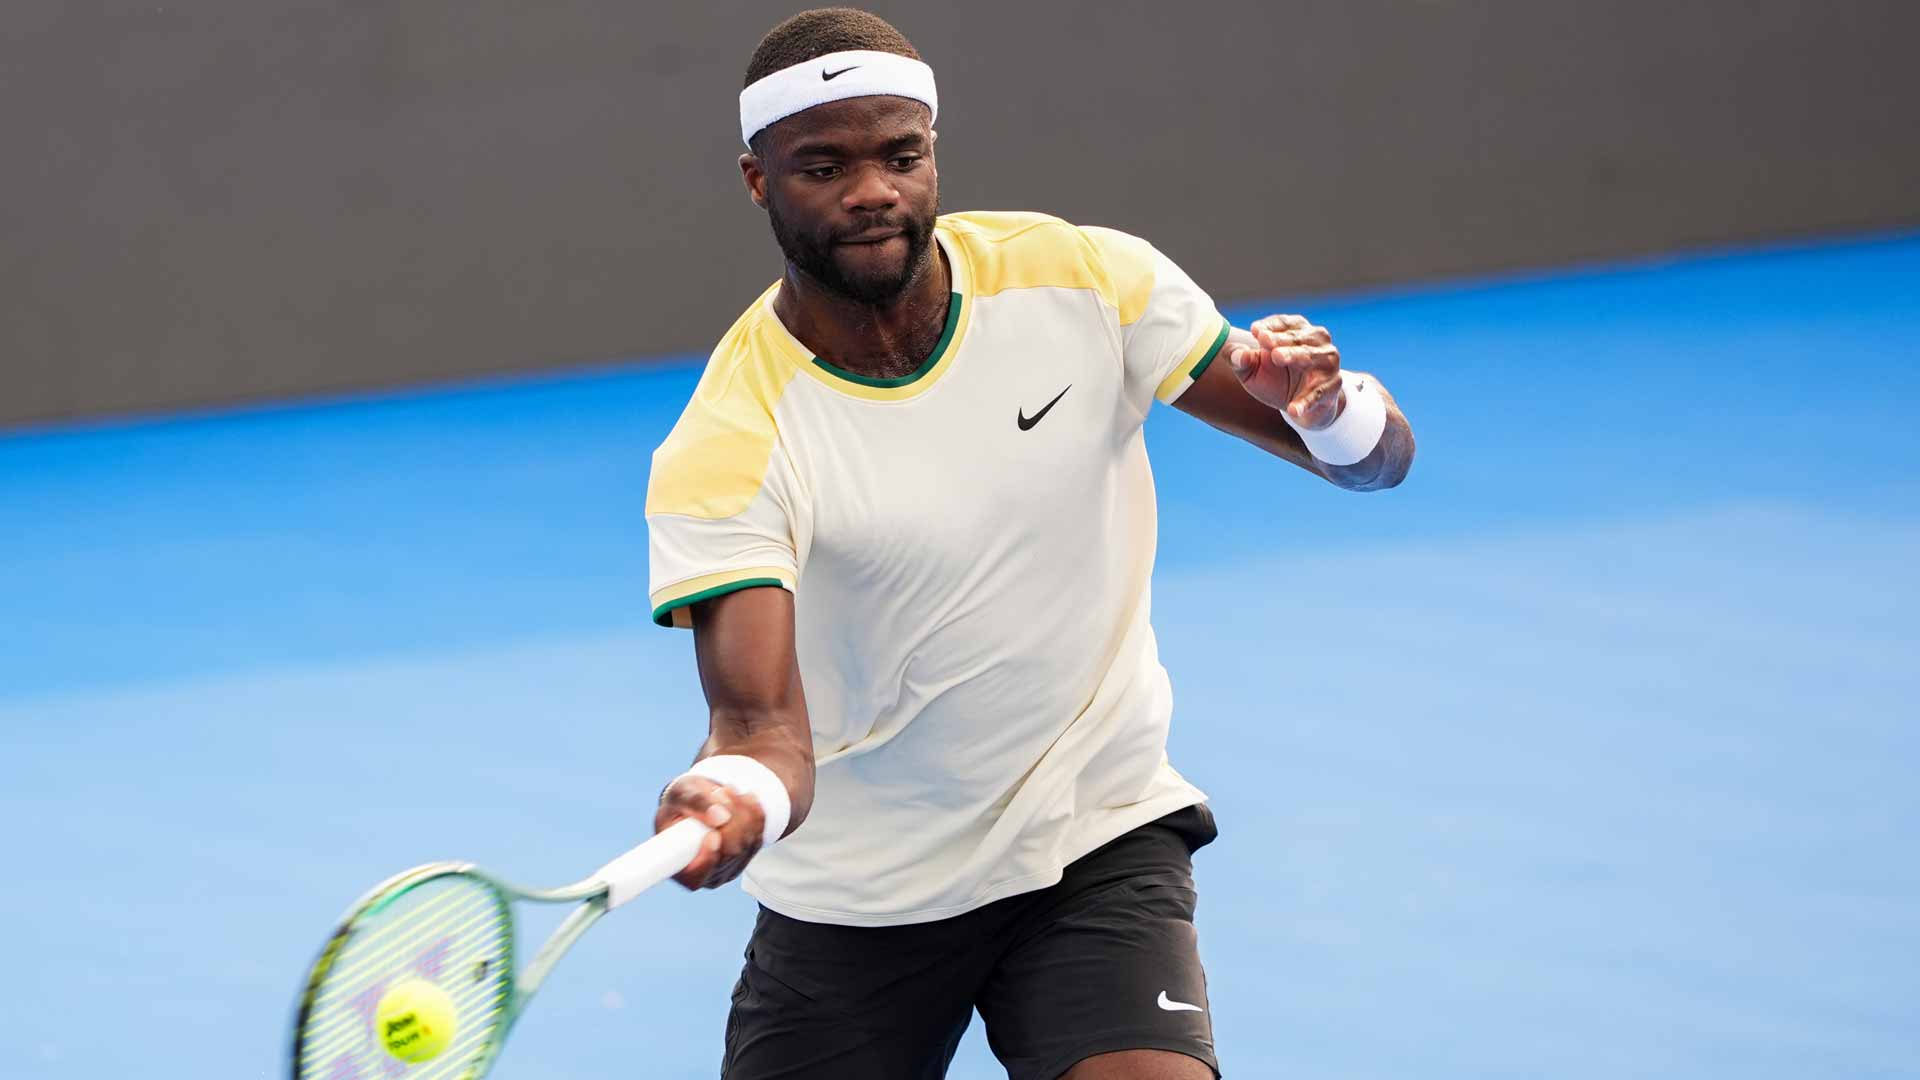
1026	422
829	75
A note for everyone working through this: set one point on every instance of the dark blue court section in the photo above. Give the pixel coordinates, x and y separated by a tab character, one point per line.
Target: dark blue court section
1587	753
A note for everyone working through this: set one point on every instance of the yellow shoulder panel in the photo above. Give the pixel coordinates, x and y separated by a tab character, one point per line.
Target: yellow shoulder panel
1129	261
1014	250
715	459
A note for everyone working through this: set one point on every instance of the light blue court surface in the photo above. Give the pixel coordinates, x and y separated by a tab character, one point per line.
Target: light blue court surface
1594	751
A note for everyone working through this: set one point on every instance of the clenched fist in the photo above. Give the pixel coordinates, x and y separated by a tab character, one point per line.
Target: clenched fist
737	820
1295	368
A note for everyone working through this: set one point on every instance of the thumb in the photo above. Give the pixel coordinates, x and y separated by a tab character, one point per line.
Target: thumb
1243	360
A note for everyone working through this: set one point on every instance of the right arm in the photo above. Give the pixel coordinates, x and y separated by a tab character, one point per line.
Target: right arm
743	642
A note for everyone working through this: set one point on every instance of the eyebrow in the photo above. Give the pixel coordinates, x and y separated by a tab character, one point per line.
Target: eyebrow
828	148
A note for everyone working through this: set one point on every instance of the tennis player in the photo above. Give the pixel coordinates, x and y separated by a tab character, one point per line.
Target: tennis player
909	518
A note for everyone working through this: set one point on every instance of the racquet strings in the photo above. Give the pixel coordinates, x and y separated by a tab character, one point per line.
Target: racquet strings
453	931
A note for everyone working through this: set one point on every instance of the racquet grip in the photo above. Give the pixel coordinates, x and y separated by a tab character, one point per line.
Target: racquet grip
653	862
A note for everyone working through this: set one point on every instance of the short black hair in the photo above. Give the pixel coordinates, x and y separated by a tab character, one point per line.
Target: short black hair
813	34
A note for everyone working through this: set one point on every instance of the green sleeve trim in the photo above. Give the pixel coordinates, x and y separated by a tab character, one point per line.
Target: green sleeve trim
1219	342
663	615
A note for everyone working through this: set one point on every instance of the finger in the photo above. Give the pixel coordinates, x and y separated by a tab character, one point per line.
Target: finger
725	869
739	827
697	872
1278	323
725	863
1272	324
721	808
1307	359
741	836
1307	335
695	797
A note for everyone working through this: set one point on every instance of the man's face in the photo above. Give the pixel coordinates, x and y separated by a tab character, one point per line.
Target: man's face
851	192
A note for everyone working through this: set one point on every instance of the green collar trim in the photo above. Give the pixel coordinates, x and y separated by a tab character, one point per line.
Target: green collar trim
932	360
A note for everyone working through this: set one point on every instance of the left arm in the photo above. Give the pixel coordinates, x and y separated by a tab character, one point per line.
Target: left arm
1285	365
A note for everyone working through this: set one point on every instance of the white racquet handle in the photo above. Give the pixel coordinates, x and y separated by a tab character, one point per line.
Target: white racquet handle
653	862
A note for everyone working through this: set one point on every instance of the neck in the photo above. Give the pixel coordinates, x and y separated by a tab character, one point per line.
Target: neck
885	340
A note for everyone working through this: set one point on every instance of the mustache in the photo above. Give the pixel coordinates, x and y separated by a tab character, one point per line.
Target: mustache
874	224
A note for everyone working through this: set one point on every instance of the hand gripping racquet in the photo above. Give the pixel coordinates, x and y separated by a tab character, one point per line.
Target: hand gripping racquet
451	924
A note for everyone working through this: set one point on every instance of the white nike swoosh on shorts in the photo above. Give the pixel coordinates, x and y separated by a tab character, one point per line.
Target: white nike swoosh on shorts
1176	1006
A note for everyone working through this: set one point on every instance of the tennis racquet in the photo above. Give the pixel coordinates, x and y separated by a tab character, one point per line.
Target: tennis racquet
451	924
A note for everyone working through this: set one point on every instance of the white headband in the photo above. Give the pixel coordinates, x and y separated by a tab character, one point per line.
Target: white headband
833	77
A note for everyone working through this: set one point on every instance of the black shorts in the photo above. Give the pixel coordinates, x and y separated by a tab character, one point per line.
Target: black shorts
1105	960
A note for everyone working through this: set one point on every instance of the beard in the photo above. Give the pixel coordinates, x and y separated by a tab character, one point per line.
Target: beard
812	254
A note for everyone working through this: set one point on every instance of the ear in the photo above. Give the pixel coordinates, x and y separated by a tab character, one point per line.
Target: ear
756	179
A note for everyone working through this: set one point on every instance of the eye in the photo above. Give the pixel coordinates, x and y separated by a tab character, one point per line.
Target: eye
822	172
906	161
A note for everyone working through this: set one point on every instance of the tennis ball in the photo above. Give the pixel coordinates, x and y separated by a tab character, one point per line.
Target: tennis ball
414	1020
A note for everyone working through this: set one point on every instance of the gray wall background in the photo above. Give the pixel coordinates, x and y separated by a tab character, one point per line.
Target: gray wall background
233	200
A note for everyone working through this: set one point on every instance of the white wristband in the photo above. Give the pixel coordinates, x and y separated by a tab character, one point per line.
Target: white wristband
748	777
1354	435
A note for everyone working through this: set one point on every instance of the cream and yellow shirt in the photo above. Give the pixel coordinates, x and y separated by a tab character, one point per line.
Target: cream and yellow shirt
969	548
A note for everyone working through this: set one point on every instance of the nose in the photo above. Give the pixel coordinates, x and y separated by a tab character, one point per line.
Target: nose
871	189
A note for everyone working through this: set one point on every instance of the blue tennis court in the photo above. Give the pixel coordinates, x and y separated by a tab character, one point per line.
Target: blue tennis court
1600	761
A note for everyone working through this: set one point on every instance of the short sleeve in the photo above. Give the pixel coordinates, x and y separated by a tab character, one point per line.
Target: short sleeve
719	509
1170	330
